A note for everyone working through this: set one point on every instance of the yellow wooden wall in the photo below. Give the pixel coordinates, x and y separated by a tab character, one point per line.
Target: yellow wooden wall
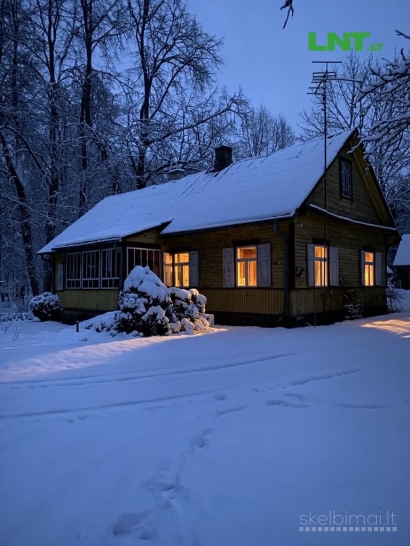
366	205
348	238
210	245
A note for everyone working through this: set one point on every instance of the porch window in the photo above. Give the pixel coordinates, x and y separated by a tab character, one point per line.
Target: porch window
346	179
110	268
321	266
247	266
73	270
369	265
91	269
143	257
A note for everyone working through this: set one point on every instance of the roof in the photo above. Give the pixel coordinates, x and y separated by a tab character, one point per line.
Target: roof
256	189
403	252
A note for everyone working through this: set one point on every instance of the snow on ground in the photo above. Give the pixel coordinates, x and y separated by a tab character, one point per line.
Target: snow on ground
227	438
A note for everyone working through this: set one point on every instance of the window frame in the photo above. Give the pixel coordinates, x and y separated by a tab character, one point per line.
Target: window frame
68	278
369	264
94	283
146	250
116	257
344	162
247	261
181	265
324	268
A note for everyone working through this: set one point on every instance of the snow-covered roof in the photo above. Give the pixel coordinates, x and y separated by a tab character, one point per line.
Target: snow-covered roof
389	271
403	252
261	188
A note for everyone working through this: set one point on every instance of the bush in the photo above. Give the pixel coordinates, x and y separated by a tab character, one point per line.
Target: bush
394	299
148	307
144	304
353	306
46	306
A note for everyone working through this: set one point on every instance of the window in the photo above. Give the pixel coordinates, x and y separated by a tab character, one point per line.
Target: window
110	268
73	270
368	264
247	266
321	266
346	179
143	257
181	269
91	269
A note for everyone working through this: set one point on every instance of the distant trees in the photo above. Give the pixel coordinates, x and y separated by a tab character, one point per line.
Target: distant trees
102	97
262	133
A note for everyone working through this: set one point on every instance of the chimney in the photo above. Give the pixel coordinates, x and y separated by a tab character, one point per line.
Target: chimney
223	158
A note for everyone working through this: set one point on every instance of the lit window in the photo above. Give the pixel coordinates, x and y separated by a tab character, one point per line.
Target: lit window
246	266
321	267
110	268
73	270
345	179
143	257
91	269
368	268
181	269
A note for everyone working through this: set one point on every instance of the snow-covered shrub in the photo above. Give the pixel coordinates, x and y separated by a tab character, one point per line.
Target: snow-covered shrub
46	306
101	323
7	317
394	299
144	304
188	307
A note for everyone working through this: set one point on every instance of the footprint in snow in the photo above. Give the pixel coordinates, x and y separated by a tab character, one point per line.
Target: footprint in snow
220	413
220	396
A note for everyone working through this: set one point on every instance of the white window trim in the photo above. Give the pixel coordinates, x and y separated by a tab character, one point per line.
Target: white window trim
241	260
71	279
157	250
117	277
85	279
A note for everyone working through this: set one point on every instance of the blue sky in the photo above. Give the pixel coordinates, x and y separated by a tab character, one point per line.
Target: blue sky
274	66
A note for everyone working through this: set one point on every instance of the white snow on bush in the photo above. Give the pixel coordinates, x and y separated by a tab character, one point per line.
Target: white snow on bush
146	282
46	306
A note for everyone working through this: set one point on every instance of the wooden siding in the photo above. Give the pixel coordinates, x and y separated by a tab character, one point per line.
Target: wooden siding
151	236
366	205
317	300
350	239
101	300
210	245
244	300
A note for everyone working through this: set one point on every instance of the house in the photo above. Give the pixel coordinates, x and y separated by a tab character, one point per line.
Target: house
402	263
266	240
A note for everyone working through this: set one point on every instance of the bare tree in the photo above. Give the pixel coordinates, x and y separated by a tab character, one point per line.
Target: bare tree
262	133
174	64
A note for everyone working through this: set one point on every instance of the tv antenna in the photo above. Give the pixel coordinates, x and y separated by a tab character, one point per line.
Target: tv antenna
321	79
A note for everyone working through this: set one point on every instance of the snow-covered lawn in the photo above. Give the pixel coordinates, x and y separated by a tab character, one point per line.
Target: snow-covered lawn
224	439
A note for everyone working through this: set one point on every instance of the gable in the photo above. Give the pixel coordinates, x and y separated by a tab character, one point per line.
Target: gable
367	203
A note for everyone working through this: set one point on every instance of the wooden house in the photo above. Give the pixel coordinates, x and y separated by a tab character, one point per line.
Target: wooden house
267	240
402	263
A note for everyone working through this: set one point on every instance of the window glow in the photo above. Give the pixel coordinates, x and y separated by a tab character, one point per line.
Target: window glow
181	269
321	266
368	268
246	268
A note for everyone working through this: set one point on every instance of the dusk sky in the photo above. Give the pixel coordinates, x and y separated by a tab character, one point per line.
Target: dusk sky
274	66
